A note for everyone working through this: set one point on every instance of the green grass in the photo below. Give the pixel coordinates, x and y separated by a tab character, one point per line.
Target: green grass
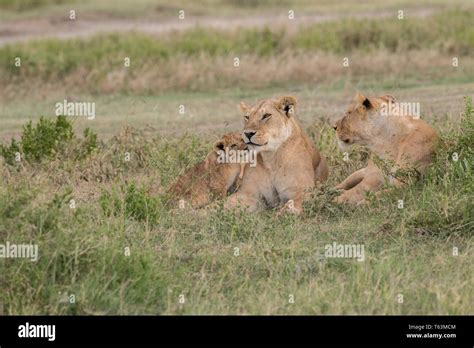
118	206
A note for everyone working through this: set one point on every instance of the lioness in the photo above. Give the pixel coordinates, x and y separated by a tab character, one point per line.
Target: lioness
406	141
287	161
211	178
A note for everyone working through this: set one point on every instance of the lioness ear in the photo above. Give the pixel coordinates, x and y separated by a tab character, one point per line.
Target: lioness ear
367	103
363	100
243	107
287	104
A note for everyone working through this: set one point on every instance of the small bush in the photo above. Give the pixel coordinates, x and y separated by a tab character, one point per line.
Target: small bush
136	203
47	139
12	152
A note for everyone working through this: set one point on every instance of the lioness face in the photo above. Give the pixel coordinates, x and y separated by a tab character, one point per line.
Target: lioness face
267	124
359	120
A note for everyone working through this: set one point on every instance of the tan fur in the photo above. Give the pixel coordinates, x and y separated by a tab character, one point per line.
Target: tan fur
408	142
287	163
208	180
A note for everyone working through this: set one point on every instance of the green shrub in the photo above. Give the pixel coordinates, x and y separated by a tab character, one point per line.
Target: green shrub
140	205
47	139
12	152
135	203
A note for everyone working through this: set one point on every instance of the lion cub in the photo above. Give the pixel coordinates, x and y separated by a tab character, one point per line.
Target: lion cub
211	178
381	126
288	163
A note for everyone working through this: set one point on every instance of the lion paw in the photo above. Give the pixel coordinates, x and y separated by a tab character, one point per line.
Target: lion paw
288	208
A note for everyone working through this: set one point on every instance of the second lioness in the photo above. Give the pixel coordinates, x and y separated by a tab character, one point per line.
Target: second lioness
406	141
288	163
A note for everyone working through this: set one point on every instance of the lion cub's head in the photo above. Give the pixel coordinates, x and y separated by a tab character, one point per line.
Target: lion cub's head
227	143
267	124
360	119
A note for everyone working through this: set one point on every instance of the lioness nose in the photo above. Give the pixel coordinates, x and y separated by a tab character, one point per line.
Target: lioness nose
334	127
249	135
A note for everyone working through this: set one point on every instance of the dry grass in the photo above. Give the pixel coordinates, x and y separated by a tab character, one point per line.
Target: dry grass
202	59
255	72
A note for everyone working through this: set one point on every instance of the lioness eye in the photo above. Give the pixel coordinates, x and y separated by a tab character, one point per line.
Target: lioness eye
246	117
266	116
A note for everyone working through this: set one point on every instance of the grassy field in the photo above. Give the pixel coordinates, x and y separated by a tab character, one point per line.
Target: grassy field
110	244
119	205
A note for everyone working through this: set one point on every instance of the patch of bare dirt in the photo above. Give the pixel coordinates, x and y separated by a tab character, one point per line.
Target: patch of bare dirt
42	28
